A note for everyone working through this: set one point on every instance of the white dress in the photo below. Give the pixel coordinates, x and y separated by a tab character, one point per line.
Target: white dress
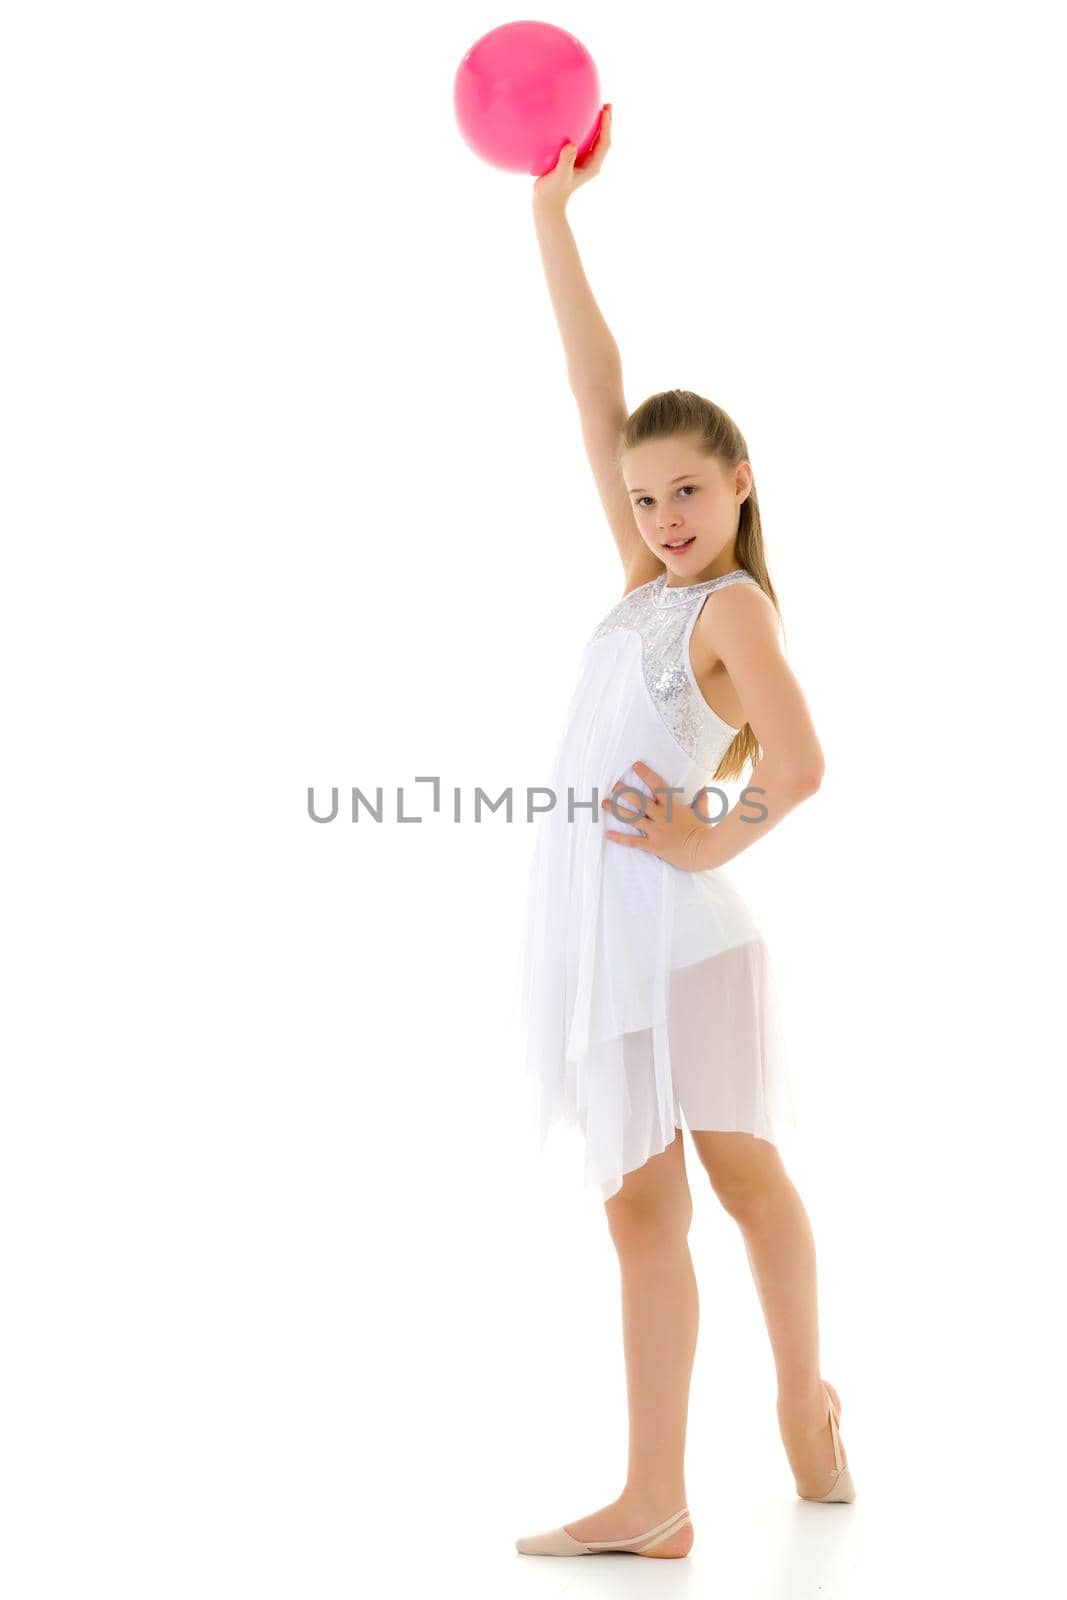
645	992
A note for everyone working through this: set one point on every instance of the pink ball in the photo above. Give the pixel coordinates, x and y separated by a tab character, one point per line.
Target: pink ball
522	92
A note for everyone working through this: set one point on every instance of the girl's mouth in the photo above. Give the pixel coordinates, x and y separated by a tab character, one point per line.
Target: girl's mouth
684	545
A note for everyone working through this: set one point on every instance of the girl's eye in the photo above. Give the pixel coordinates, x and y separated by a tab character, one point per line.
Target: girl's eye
690	486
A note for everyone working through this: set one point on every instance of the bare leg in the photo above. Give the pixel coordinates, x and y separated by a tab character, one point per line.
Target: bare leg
649	1221
753	1186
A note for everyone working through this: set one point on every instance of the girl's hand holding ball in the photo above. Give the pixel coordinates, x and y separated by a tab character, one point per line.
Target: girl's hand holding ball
557	186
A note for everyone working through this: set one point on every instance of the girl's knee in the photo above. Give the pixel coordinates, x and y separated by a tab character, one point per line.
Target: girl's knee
746	1172
655	1202
638	1226
746	1202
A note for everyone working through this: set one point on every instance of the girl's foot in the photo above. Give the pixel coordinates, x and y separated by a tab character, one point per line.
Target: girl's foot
805	1429
628	1517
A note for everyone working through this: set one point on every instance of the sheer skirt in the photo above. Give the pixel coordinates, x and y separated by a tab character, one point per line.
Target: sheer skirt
645	993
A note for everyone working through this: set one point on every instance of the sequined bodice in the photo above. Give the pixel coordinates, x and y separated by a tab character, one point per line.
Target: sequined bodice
664	617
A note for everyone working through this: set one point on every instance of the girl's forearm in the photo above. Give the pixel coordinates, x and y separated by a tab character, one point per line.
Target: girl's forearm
591	351
776	792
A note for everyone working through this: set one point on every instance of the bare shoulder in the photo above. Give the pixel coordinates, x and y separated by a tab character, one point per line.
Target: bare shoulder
745	675
738	613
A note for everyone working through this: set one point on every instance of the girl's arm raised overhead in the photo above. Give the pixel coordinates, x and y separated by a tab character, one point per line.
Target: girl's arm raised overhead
594	365
592	354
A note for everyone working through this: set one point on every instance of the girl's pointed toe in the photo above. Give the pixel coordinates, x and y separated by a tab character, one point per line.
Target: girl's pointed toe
558	1542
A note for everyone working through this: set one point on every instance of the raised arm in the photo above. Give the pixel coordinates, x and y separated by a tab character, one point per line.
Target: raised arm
594	365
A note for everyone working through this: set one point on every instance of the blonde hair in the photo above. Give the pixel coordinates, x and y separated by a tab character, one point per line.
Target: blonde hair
675	412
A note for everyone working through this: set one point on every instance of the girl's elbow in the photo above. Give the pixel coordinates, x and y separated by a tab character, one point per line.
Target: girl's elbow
798	772
810	777
802	773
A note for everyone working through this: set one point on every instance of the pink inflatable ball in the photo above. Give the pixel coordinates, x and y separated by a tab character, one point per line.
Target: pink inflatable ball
522	92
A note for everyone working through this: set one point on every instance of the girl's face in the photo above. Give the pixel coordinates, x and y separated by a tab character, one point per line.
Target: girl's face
685	500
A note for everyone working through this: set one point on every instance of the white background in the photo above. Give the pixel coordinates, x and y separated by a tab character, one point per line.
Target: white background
294	494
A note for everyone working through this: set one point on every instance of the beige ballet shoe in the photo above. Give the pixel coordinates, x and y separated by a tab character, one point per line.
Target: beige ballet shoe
843	1489
560	1543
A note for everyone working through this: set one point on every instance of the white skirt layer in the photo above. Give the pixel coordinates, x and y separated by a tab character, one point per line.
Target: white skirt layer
645	993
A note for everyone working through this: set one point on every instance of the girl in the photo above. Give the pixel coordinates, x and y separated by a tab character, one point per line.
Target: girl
646	989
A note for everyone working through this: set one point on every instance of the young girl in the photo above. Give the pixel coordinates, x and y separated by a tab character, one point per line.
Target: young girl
646	990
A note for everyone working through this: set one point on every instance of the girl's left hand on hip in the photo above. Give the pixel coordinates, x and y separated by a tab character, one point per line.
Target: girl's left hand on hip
672	832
